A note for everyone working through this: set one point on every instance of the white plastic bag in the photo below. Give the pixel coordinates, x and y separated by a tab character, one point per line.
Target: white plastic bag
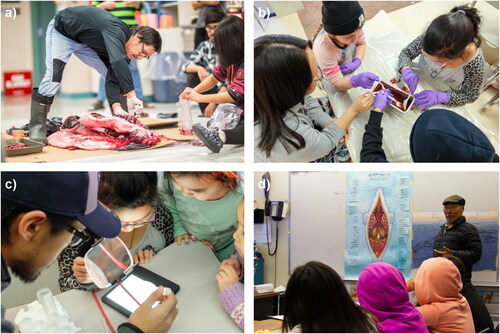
225	117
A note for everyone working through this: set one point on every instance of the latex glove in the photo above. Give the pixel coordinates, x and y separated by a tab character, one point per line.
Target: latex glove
119	111
382	99
349	67
429	98
364	80
157	319
134	104
410	78
226	277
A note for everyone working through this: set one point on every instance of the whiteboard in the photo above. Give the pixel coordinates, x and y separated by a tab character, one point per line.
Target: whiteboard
318	201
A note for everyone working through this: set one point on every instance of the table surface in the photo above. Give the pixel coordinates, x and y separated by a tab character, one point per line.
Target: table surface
385	41
192	266
272	325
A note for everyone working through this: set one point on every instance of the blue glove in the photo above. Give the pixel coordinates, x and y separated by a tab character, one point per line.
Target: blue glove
382	99
410	78
429	98
364	80
349	67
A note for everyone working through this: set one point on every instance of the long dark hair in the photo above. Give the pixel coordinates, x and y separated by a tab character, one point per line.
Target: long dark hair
128	189
282	75
317	300
449	34
229	41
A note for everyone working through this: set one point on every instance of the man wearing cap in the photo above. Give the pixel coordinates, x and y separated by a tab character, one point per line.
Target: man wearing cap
457	237
43	212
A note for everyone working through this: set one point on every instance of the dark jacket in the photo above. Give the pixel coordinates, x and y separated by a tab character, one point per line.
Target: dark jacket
463	239
480	314
372	150
106	35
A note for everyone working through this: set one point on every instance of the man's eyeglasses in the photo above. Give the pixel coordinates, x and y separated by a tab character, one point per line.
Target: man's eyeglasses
319	74
144	54
209	29
78	236
150	217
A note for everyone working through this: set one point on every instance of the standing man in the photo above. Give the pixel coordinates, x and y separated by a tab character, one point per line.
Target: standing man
457	237
200	33
203	60
125	11
42	213
101	41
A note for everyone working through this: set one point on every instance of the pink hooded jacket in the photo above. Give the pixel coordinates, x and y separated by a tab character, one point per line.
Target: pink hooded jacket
437	288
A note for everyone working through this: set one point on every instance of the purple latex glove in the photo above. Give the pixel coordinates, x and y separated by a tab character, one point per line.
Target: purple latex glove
364	80
382	99
349	67
410	78
429	98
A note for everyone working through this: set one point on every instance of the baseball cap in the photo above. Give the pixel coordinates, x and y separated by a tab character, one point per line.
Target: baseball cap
454	199
71	194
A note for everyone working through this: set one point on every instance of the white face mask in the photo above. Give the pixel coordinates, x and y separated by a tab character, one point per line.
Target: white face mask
108	261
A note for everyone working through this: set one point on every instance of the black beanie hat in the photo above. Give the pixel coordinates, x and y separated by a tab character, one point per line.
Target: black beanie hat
342	17
441	135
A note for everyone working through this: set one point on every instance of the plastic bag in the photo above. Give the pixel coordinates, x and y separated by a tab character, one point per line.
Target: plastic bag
185	122
225	117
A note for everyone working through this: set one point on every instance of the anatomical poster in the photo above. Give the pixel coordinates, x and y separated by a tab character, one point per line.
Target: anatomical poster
378	221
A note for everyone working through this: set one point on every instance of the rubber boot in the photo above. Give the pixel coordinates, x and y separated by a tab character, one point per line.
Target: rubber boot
40	107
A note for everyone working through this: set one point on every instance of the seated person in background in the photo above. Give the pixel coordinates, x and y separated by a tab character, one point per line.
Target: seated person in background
202	61
285	121
147	225
231	275
382	291
317	301
437	288
339	37
480	314
438	135
204	205
449	52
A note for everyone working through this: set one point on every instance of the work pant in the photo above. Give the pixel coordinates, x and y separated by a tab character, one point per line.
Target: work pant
59	49
237	135
101	94
193	80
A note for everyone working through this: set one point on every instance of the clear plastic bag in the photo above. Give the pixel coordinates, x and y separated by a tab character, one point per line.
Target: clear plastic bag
225	117
185	121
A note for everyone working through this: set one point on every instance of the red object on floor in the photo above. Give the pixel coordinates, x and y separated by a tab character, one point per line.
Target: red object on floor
17	83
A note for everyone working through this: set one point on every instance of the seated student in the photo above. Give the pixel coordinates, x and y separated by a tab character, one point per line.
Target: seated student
285	116
480	314
147	225
437	288
339	37
204	205
229	45
450	53
203	60
231	275
317	301
382	291
438	135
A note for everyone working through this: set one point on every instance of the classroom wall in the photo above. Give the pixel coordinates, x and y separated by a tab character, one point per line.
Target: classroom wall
14	57
441	184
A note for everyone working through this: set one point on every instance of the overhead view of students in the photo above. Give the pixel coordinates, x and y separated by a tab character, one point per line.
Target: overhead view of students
46	212
447	59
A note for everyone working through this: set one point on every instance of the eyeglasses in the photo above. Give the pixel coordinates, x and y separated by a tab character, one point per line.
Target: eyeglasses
319	74
144	54
150	217
435	73
78	236
209	29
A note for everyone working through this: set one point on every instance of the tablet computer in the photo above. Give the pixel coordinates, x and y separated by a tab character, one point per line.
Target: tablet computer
140	283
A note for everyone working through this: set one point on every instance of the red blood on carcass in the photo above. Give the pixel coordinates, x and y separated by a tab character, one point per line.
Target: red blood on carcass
16	146
393	80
